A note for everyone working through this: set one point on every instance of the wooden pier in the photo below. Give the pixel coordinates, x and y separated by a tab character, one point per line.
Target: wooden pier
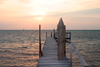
50	58
53	53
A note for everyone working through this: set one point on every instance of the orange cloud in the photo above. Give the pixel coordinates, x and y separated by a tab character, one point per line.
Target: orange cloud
2	1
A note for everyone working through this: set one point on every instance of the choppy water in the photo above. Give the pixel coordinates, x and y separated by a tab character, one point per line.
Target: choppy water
20	48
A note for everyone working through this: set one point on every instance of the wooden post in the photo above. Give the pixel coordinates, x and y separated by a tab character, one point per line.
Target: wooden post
46	34
70	36
40	52
54	34
51	34
61	39
71	53
39	40
66	34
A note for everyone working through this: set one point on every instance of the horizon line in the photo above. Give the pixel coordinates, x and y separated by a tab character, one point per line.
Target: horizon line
48	29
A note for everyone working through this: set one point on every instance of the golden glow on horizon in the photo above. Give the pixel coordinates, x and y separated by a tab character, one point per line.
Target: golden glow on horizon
39	18
33	12
40	13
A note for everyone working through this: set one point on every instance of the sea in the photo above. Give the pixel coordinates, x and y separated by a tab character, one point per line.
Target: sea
20	48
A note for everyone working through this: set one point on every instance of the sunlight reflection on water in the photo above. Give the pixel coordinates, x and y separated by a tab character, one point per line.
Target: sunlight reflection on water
20	48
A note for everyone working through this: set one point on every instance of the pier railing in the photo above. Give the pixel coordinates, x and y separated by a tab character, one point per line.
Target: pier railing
68	36
72	45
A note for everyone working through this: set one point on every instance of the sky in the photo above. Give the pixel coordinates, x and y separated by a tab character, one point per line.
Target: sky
29	14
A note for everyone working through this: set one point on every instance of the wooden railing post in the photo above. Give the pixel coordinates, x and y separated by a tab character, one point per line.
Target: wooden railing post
71	53
66	34
40	52
51	34
54	33
70	36
61	39
46	34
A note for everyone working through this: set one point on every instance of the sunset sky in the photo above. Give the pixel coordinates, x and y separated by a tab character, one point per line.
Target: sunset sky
28	14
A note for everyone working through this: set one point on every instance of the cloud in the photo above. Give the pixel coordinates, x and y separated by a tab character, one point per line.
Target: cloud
76	5
89	13
1	1
25	1
13	9
90	4
27	11
29	16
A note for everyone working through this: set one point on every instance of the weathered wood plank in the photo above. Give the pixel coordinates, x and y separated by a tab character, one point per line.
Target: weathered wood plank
52	65
53	61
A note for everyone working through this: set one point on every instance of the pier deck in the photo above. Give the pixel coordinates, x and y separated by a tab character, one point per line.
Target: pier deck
50	58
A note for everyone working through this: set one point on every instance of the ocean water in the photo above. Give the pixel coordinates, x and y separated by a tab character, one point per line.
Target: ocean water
20	48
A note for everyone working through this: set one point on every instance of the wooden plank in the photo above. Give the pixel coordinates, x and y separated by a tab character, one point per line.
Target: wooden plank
49	58
52	65
58	63
46	61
